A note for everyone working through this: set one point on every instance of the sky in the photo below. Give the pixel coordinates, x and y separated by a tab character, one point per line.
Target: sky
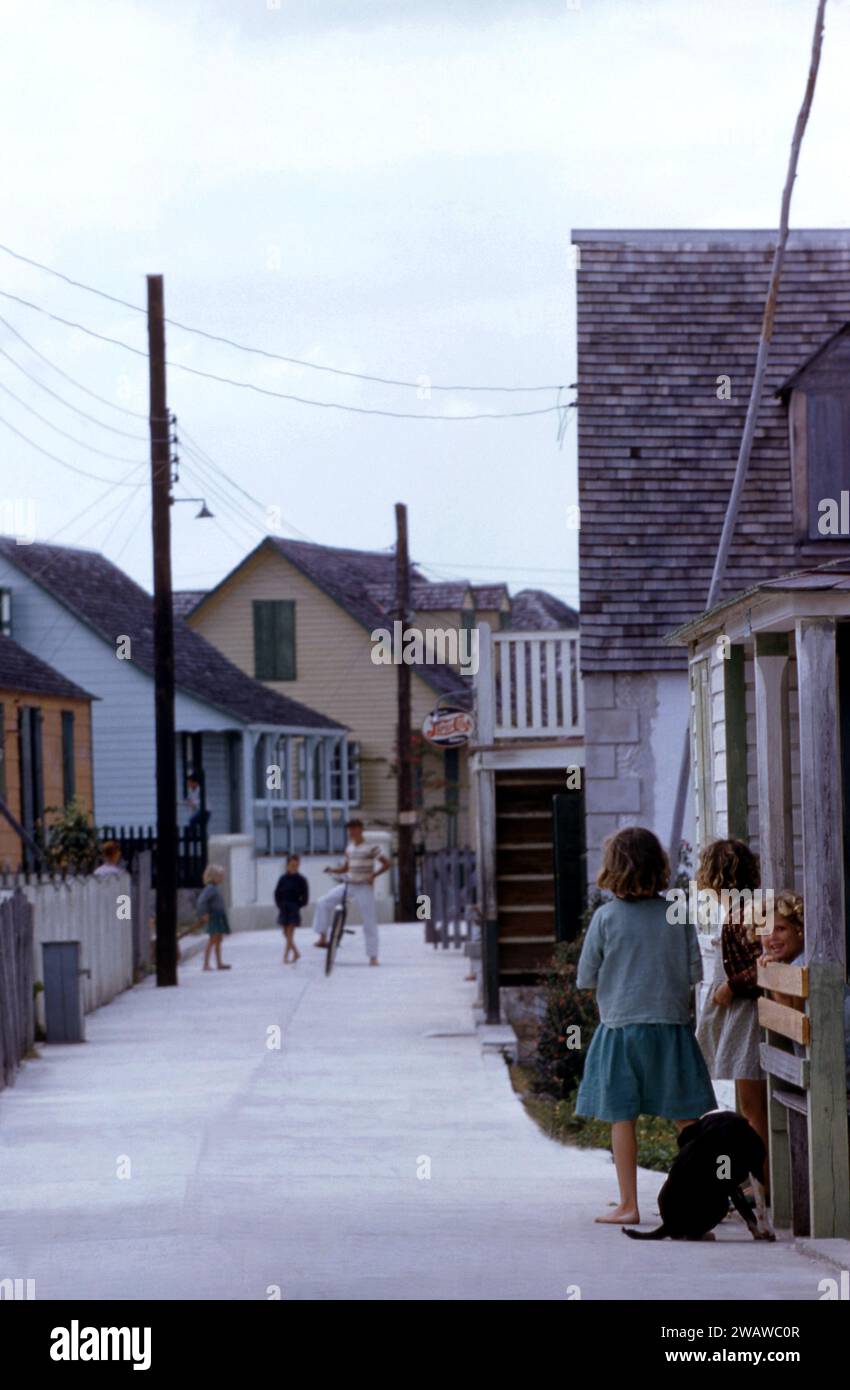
384	187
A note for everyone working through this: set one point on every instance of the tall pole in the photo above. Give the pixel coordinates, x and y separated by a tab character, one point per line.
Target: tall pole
406	813
163	642
756	391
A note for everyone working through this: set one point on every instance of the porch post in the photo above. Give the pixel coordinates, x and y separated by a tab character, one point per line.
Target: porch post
246	809
823	894
776	843
486	826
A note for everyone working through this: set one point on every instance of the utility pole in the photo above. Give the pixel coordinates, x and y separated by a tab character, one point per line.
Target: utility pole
406	812
163	642
755	402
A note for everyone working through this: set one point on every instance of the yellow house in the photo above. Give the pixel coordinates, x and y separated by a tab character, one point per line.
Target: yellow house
302	618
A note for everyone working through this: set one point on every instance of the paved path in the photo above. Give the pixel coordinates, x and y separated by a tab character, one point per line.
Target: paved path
298	1167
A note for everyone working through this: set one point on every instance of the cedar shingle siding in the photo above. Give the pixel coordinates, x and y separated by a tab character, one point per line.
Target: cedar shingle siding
662	315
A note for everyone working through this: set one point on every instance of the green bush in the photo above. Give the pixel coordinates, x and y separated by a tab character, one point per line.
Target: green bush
71	845
558	1062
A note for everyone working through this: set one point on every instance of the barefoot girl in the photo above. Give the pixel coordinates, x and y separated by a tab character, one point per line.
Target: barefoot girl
644	1058
728	1029
211	909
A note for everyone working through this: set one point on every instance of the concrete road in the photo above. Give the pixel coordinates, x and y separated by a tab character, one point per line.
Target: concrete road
374	1153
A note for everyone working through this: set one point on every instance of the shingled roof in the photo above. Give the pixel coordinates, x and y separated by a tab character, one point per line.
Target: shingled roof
184	600
20	670
534	610
361	581
662	315
112	604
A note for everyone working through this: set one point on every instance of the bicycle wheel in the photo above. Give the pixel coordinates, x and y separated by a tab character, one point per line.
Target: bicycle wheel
337	929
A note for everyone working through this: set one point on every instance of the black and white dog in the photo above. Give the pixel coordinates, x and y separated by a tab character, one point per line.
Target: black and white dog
717	1153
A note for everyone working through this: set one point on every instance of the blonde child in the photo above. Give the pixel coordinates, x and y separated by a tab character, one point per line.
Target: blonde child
212	910
643	1059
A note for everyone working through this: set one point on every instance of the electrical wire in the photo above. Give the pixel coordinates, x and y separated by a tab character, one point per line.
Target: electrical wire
263	352
104	400
83	473
113	429
115	458
558	408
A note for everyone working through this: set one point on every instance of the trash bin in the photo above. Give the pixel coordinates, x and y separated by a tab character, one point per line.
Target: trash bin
63	993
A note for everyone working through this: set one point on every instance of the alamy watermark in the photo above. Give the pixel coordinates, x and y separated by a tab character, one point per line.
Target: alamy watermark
703	907
433	646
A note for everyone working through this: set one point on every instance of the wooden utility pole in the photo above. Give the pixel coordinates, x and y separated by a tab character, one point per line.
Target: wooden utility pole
406	814
754	406
163	642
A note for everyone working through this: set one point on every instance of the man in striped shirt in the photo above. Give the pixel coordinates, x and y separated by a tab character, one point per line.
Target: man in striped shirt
363	864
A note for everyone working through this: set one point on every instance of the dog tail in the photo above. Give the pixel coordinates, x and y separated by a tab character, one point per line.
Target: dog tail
658	1234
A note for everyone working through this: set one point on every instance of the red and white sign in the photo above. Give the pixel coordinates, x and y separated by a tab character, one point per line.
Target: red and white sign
448	727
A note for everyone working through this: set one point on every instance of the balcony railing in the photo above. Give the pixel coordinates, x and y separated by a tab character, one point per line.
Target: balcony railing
529	686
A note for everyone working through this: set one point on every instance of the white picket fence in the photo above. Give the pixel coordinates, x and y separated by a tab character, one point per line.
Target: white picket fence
529	685
86	910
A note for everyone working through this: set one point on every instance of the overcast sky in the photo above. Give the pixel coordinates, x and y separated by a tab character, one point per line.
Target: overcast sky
383	186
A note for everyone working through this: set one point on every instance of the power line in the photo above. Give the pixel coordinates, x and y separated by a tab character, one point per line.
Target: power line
275	356
115	458
558	408
113	429
104	400
194	449
83	473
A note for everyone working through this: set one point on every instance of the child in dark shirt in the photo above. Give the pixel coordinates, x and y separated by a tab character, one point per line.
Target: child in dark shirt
291	894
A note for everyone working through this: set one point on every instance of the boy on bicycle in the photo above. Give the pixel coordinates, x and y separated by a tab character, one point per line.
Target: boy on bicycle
362	865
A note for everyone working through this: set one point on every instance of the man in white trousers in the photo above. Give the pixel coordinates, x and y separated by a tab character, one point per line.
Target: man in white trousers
363	864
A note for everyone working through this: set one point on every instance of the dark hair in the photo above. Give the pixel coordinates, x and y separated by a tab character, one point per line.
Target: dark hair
728	864
296	857
356	821
633	864
110	849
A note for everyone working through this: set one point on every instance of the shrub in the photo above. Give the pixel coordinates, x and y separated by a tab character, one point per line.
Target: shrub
557	1066
71	841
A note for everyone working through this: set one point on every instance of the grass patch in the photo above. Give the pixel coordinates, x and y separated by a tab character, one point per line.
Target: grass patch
656	1139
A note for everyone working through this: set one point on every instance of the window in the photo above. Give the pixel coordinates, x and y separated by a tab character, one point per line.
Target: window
274	639
5	612
353	789
69	781
505	620
3	752
31	772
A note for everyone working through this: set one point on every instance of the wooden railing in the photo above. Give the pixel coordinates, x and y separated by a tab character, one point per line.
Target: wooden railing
528	685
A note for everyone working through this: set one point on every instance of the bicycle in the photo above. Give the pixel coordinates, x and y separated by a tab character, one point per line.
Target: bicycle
338	929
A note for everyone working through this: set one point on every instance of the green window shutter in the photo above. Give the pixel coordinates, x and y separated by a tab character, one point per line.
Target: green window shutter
69	780
274	639
467	619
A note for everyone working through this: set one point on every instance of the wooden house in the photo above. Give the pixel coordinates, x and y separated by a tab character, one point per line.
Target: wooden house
45	746
770	681
668	325
94	624
301	617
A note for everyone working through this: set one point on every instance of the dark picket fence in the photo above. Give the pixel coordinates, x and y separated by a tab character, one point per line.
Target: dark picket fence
17	1003
448	878
191	850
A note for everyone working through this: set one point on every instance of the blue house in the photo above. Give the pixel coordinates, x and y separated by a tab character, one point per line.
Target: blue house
91	622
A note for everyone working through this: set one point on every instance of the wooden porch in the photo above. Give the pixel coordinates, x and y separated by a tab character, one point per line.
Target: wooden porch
770	684
530	812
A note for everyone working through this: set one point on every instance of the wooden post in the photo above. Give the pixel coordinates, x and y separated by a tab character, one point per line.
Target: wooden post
823	893
163	639
735	718
406	816
776	843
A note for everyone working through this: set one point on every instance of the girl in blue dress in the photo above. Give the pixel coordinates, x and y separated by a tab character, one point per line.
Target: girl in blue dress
644	1058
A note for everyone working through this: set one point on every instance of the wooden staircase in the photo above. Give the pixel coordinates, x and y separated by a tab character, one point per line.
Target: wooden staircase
525	871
